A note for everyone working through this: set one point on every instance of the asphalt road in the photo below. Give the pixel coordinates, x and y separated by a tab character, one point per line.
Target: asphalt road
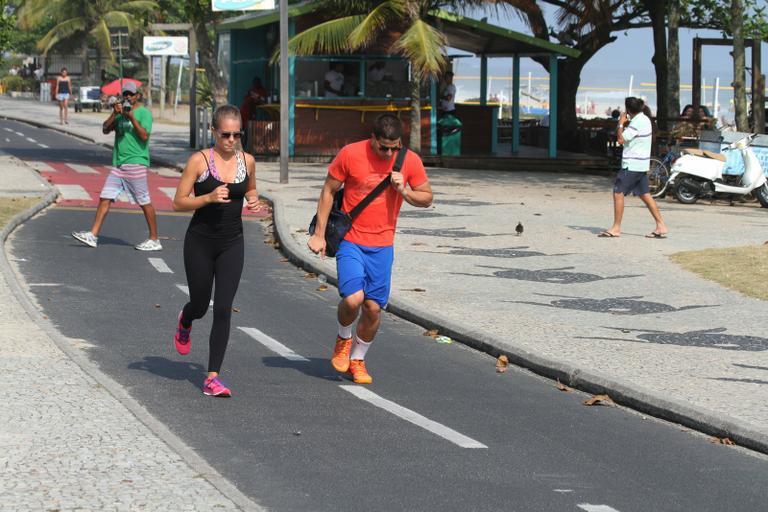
296	436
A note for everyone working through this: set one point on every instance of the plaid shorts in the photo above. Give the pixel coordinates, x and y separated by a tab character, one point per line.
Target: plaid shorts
130	178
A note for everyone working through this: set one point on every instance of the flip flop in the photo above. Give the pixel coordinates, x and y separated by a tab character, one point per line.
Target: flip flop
607	234
654	234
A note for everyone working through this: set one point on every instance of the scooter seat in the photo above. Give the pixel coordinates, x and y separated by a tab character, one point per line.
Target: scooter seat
704	153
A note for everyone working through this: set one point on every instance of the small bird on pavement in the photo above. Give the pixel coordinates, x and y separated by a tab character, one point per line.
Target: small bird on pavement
519	228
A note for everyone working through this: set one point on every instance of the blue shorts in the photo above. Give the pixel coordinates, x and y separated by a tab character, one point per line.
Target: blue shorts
631	182
365	268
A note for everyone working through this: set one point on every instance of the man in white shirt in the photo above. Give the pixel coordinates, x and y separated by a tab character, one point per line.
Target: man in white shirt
334	81
448	95
637	138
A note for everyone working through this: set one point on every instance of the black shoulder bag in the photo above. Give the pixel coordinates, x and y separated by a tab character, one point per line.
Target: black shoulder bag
339	222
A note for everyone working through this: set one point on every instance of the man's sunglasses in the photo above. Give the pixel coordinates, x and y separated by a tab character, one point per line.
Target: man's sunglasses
227	135
388	149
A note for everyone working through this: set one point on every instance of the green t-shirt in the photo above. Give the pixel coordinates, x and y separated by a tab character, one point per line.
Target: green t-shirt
129	148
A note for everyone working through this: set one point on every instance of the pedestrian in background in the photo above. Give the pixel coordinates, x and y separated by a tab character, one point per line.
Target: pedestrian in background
62	94
214	185
635	133
365	256
132	124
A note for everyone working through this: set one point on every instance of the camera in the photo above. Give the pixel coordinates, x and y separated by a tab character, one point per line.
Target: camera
127	106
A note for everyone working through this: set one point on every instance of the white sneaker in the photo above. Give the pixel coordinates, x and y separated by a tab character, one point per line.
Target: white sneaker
86	237
149	245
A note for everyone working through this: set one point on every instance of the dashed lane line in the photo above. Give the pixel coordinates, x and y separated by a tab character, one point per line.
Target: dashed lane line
413	417
83	169
185	289
587	507
160	265
73	192
43	146
272	344
30	139
40	166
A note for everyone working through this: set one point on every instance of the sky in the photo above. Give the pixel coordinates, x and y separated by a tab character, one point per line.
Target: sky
611	67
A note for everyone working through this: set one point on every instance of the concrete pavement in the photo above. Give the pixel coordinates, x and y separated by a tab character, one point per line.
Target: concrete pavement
605	315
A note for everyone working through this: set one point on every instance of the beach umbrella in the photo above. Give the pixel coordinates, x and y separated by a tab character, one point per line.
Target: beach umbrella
113	88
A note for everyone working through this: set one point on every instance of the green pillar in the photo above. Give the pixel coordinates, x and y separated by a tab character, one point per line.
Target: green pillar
483	80
363	78
516	104
433	115
552	106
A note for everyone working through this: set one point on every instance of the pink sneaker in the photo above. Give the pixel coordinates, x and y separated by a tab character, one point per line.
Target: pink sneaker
212	386
181	339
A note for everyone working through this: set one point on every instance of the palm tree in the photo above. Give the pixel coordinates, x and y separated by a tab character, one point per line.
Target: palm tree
87	19
363	23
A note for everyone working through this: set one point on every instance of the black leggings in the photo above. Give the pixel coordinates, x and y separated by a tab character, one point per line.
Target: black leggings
206	259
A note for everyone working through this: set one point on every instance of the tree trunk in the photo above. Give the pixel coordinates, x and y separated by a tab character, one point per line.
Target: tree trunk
739	90
415	139
657	10
673	61
209	61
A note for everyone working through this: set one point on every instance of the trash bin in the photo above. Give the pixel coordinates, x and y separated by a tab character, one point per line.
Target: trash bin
450	135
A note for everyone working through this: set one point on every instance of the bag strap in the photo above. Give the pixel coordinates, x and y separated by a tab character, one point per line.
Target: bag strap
381	186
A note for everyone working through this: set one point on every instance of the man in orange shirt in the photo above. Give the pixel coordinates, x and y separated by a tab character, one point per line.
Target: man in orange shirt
364	258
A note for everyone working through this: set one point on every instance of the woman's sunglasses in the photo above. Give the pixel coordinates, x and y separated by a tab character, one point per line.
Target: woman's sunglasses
227	135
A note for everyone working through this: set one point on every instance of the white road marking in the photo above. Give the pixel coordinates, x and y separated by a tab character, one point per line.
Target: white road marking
414	417
47	285
7	139
8	129
562	490
83	169
73	192
160	265
596	508
43	146
272	344
185	289
19	134
41	166
30	139
168	191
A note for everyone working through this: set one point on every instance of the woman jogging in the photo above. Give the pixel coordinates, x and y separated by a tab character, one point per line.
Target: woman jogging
62	93
213	247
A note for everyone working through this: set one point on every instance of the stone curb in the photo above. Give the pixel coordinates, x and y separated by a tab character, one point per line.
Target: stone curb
625	394
187	454
632	396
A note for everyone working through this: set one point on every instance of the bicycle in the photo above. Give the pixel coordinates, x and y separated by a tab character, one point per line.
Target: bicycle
658	171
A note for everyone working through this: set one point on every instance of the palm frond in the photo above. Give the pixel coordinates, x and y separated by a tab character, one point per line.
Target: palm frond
118	19
424	46
101	34
376	21
33	12
138	6
331	37
61	31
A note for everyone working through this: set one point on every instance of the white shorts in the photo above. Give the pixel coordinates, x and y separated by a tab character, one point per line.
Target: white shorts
62	96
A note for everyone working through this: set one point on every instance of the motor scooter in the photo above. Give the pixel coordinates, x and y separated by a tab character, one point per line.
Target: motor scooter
699	174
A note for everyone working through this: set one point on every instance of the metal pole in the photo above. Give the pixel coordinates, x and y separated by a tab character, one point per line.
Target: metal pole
120	57
284	91
149	82
162	86
192	85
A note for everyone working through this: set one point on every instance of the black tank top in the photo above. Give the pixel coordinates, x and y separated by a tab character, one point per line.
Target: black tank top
63	87
220	220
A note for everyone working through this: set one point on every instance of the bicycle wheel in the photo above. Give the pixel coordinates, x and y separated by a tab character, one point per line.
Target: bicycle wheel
658	174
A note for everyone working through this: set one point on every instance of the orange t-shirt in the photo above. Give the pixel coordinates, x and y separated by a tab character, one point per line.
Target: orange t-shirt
361	169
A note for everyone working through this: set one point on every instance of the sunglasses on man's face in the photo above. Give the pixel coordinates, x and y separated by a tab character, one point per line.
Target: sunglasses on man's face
388	149
227	135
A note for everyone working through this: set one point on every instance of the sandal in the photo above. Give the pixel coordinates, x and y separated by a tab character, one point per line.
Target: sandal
654	234
607	234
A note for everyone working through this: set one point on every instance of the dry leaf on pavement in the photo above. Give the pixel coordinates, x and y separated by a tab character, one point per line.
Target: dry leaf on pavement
599	400
416	290
322	287
502	363
284	260
310	275
236	310
562	387
723	440
157	306
432	333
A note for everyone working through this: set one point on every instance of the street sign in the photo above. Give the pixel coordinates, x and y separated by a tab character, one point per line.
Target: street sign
242	5
175	46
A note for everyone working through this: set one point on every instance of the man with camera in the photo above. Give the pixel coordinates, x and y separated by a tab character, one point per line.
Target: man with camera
132	124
